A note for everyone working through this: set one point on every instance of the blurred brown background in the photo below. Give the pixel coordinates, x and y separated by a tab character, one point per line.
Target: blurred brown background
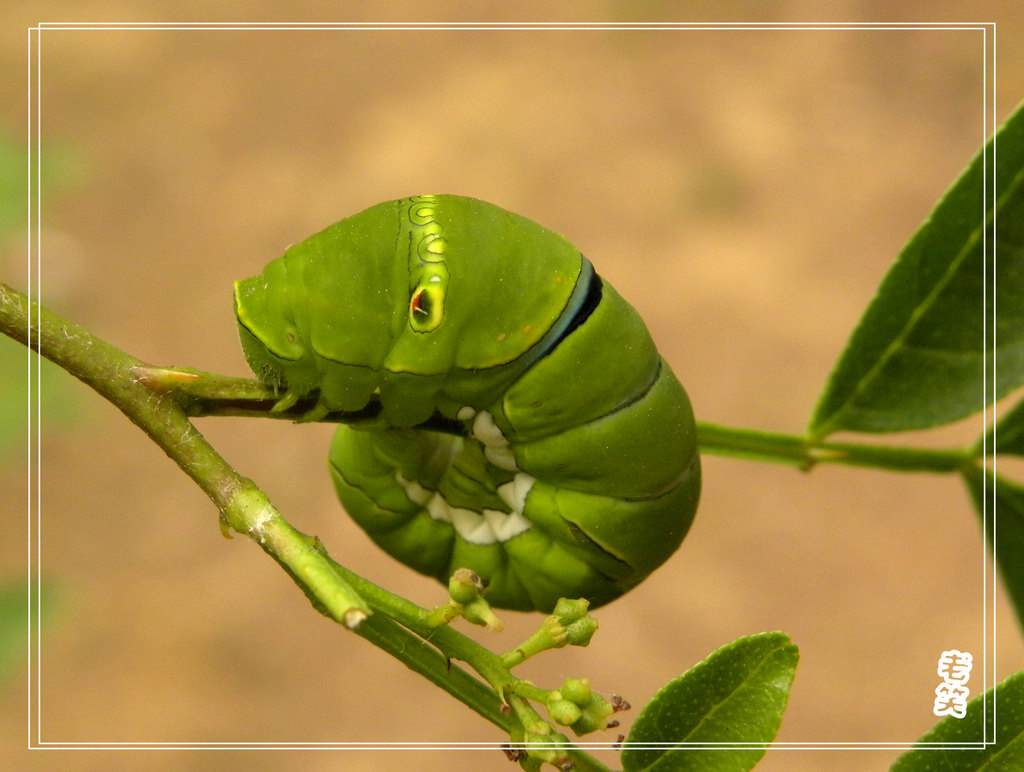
744	189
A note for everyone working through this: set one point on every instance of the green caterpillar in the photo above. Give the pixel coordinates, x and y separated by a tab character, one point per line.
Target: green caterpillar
525	425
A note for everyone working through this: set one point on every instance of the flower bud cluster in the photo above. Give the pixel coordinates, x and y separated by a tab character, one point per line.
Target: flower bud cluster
576	706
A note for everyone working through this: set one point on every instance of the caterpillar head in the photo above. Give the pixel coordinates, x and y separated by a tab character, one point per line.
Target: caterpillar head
406	300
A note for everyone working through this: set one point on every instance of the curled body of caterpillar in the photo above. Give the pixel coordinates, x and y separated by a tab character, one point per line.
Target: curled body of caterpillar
574	469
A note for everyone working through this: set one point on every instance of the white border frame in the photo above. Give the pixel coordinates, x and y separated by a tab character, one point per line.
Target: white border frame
34	256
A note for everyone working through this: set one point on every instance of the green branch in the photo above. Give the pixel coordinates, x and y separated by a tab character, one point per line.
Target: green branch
400	628
243	507
802	452
209	394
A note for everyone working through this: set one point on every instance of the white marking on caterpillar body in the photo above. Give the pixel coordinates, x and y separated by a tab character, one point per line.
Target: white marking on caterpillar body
505	525
514	493
496	449
415	492
488	527
503	458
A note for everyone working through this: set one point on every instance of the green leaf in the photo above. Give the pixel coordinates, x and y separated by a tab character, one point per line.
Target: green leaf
735	696
949	307
1002	505
1007	435
998	714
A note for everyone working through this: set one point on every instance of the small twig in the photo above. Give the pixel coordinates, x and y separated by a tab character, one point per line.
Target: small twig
161	400
243	506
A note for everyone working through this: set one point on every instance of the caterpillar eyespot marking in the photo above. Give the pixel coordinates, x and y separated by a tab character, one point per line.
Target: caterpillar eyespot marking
568	463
